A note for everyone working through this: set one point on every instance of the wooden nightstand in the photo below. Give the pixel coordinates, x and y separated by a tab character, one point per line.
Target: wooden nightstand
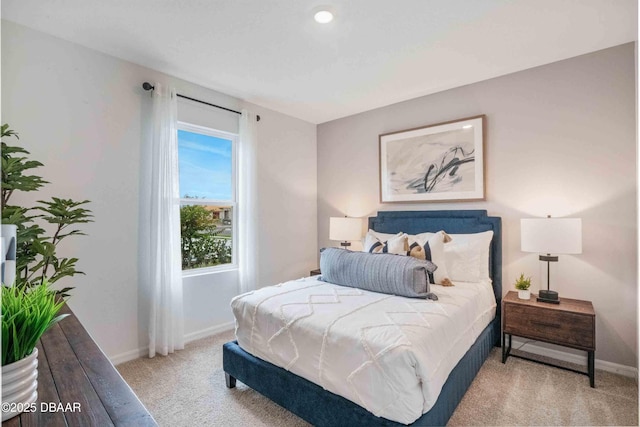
572	323
315	272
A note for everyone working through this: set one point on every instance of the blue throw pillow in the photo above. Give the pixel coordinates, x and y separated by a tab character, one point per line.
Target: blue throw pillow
383	273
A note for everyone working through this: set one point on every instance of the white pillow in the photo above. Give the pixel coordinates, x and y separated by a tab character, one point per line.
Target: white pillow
434	252
383	237
397	245
393	243
467	256
373	237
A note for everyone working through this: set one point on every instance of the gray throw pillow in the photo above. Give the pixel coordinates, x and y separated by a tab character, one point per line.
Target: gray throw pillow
384	273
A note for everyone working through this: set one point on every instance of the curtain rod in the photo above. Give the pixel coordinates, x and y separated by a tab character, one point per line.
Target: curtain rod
149	86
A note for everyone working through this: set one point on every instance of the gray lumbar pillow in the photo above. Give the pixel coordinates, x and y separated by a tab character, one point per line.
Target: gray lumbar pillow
384	273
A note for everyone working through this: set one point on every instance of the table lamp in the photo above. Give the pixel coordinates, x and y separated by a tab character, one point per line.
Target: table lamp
345	229
550	236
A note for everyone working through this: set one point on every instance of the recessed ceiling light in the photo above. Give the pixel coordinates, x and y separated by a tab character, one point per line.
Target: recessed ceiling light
323	16
467	126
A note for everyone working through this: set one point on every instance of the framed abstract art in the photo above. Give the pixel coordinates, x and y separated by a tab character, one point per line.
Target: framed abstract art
436	163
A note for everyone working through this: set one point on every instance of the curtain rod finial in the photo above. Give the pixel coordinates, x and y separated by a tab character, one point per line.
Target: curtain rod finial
147	86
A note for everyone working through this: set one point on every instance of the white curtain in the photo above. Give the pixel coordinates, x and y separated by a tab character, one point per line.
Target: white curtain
247	202
160	259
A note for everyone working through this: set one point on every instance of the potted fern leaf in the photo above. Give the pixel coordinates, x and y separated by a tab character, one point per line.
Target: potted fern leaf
522	285
27	313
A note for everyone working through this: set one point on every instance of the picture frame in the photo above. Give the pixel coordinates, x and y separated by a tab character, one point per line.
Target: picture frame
443	162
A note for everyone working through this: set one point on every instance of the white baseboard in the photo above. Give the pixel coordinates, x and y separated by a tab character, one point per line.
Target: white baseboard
129	355
627	371
224	327
190	337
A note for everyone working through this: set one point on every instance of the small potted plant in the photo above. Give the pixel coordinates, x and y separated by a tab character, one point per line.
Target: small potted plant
27	313
522	285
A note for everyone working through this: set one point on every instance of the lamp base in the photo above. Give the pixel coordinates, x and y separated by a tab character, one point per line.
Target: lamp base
550	297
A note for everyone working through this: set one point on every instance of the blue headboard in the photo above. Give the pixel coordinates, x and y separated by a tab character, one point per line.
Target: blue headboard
453	222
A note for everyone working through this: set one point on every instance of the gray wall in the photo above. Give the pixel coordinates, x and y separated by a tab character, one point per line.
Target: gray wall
81	113
561	140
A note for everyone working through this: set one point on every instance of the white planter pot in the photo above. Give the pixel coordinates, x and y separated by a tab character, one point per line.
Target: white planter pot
524	294
19	385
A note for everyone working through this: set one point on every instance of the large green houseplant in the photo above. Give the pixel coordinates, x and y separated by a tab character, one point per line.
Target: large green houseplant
37	258
29	305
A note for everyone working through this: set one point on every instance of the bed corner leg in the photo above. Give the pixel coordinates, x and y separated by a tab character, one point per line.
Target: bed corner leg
231	382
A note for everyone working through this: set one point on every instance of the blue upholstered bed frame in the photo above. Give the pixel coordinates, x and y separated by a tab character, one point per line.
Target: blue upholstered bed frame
323	408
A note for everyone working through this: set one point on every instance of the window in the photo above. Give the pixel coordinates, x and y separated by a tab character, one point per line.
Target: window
208	209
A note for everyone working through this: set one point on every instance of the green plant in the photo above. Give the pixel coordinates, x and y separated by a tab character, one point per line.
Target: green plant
37	260
199	240
522	283
26	315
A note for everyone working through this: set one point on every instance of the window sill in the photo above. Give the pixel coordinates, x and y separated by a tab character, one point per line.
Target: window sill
209	270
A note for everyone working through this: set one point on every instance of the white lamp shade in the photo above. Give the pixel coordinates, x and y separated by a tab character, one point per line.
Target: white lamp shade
345	228
551	235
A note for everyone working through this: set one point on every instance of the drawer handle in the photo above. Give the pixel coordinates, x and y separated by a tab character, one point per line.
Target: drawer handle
549	325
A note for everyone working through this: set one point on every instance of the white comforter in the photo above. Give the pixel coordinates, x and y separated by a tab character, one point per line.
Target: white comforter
390	355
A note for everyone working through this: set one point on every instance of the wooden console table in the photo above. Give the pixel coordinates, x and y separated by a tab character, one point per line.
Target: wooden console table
73	369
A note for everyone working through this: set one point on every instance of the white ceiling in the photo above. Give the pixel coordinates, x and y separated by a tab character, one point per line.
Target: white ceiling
374	53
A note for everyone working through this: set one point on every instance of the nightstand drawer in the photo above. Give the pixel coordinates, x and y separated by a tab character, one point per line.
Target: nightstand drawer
559	327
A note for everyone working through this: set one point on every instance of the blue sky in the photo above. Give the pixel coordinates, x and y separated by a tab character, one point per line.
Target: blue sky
205	166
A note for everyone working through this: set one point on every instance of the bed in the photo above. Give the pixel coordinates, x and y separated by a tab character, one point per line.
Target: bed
319	406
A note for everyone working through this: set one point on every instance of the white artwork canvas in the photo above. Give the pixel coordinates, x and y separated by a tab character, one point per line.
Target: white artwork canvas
442	162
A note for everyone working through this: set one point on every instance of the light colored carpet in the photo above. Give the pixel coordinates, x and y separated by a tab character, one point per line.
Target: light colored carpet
188	389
